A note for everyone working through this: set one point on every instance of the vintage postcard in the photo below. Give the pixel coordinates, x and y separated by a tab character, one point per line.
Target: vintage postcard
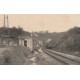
39	39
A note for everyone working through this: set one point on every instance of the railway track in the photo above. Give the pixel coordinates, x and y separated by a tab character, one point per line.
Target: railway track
64	58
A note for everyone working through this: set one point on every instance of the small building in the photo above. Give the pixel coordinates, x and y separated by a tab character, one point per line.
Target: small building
8	40
26	41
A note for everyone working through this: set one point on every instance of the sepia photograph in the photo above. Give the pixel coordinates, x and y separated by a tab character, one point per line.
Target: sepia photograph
39	39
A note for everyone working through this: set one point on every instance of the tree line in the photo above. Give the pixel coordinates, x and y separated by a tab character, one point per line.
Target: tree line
68	41
14	31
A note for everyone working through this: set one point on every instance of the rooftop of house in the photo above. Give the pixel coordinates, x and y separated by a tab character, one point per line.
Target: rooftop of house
6	36
24	37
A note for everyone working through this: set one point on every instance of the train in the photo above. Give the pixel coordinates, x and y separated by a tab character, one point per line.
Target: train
48	44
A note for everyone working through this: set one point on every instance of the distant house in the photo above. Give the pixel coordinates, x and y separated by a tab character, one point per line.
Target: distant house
26	41
8	40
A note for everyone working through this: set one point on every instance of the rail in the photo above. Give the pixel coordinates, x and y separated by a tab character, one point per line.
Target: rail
65	58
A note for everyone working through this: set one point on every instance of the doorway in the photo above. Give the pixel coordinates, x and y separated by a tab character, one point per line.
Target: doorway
25	43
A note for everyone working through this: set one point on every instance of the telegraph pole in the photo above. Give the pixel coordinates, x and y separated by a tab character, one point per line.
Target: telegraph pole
32	41
6	21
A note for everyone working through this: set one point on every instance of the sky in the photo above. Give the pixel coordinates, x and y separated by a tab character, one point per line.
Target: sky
43	22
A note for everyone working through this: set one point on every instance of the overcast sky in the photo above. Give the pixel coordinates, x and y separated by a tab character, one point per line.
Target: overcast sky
42	22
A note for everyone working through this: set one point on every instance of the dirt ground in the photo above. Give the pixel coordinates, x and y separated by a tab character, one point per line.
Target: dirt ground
40	58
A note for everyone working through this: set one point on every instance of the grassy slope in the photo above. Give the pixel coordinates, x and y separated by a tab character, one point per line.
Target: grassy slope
16	55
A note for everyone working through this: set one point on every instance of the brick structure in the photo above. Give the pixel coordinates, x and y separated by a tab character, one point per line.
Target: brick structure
26	41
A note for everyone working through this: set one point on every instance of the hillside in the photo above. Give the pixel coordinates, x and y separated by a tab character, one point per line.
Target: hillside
71	40
14	55
55	37
67	42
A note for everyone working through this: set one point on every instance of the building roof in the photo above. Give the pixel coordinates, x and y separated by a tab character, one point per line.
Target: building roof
6	36
24	37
